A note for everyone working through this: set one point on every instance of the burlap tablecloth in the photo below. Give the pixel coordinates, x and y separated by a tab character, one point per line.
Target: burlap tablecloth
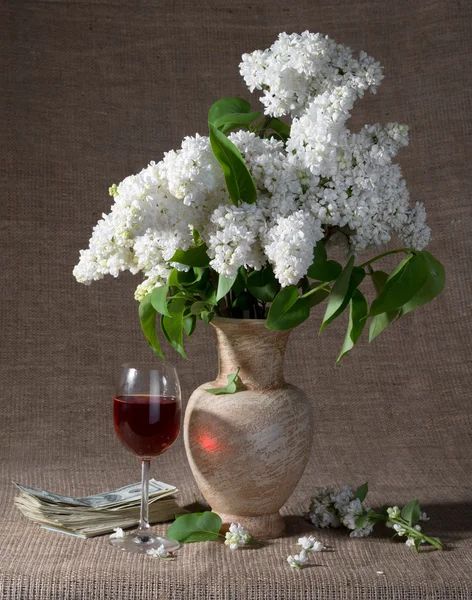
91	91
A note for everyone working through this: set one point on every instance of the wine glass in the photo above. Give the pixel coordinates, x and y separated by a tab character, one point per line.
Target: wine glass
146	414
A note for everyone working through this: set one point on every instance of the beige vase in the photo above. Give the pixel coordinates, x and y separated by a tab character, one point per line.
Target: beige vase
248	450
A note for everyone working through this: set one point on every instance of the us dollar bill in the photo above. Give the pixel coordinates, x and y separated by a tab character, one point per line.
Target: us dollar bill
124	495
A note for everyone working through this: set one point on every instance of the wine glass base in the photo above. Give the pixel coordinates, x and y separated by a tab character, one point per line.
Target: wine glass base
140	544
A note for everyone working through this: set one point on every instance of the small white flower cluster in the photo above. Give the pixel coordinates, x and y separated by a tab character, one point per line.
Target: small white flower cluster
160	552
331	507
237	536
324	176
297	68
395	513
119	534
308	544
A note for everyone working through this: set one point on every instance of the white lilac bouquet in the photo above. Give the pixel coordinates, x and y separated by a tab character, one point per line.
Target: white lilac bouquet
238	223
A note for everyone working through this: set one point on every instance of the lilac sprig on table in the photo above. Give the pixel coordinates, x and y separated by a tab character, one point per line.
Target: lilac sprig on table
345	506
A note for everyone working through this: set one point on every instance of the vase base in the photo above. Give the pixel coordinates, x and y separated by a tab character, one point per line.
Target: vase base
262	527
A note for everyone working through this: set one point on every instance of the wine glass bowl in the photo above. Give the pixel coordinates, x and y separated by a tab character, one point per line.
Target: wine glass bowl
146	416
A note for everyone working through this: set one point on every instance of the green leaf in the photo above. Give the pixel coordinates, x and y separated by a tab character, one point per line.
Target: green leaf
403	283
280	127
262	284
319	253
240	283
147	316
239	181
362	491
241	301
227	106
198	307
159	299
338	293
190	323
206	316
382	321
172	325
360	521
288	309
323	269
411	512
233	119
224	286
318	296
356	278
173	280
196	527
230	388
196	256
431	288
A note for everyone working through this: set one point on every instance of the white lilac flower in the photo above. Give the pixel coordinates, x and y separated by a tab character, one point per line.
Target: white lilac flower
393	512
325	175
233	237
399	529
237	536
296	561
119	533
321	511
289	246
160	552
424	517
298	67
410	542
310	544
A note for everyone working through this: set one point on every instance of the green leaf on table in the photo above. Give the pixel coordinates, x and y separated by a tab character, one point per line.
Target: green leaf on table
361	492
196	256
159	299
357	314
224	285
190	323
411	512
239	181
383	320
147	317
402	284
288	309
431	288
196	527
230	388
172	325
262	284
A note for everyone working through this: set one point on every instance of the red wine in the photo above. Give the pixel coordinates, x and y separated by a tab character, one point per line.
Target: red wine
146	425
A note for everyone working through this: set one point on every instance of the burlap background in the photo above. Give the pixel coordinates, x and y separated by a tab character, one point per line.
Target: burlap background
91	91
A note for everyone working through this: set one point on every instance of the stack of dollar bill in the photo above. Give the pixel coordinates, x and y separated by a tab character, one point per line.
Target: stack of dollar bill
99	514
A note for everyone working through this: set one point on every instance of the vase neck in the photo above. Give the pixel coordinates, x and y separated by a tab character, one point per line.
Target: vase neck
256	351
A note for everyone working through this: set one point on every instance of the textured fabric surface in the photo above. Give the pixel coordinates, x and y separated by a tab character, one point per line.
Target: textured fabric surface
91	91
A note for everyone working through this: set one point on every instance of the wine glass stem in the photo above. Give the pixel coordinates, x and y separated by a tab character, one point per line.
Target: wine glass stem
144	517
